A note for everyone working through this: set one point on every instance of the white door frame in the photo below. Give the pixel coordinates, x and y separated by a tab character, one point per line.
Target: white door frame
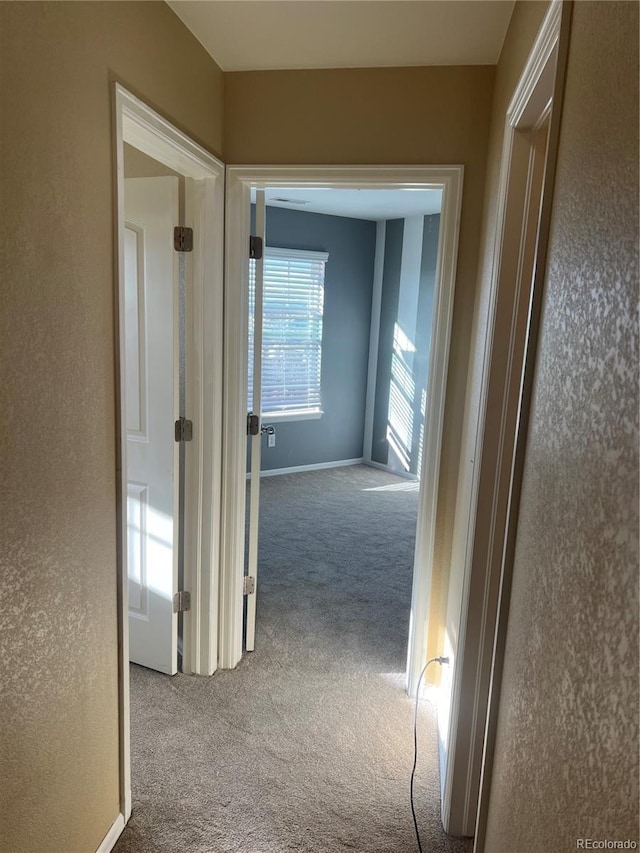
140	126
556	29
515	262
240	181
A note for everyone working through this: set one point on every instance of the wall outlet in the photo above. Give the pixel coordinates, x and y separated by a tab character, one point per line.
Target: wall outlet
271	439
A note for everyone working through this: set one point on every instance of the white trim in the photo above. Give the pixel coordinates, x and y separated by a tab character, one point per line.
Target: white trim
140	126
115	831
477	626
205	209
374	337
449	808
320	466
232	522
147	131
143	128
122	585
526	105
240	180
255	442
433	427
353	177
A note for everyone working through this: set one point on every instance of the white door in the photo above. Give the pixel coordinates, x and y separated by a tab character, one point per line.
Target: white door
151	350
256	439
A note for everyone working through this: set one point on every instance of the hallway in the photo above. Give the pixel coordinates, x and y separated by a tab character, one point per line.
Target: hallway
307	745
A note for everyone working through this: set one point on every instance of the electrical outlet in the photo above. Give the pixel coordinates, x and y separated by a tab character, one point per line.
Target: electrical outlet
271	439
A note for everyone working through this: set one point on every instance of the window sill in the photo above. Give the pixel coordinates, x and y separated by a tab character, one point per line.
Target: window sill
286	417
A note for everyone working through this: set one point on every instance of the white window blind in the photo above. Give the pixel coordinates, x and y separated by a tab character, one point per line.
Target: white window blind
293	304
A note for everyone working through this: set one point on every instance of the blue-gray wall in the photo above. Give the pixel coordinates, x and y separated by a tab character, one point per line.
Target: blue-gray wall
338	434
419	361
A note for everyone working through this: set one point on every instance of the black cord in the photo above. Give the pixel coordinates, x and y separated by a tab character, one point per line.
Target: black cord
415	742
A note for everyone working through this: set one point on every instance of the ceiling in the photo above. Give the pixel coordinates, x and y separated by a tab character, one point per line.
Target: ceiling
258	35
357	204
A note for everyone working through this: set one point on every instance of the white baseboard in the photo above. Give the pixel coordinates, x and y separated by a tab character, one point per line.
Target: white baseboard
389	470
115	831
274	472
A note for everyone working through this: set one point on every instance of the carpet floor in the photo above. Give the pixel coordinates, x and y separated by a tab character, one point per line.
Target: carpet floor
308	744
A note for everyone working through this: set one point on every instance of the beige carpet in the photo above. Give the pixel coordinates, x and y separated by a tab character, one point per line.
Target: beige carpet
307	745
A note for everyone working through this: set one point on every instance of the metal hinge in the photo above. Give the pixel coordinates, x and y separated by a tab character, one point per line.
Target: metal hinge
183	239
248	585
183	429
255	247
181	601
253	424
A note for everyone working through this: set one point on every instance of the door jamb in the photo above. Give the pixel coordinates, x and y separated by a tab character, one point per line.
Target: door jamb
531	102
557	26
136	123
240	180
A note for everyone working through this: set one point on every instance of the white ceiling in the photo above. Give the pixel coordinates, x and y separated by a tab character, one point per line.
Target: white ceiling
256	35
357	204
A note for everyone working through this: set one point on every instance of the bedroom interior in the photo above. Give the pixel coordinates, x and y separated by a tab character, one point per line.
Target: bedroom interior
376	326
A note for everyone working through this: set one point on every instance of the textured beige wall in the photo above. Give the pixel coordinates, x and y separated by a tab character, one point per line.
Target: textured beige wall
59	712
383	116
566	760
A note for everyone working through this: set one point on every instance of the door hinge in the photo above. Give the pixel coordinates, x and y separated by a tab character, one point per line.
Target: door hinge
255	248
183	429
183	239
181	601
248	585
253	424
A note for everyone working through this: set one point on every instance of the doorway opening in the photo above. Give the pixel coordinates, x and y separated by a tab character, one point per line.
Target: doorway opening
240	182
169	228
347	292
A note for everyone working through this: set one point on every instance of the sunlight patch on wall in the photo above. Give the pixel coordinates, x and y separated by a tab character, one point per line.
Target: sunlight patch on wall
403	414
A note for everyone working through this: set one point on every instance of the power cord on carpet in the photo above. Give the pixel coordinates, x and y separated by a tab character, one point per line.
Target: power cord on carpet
440	660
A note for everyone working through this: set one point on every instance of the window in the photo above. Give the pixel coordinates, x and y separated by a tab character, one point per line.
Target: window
293	303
